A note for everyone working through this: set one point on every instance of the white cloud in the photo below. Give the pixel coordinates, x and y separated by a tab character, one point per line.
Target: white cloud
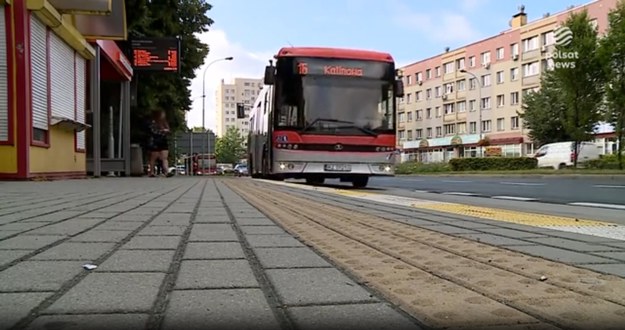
470	5
246	64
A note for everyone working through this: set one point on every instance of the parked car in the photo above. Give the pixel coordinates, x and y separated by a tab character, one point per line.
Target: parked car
562	154
240	170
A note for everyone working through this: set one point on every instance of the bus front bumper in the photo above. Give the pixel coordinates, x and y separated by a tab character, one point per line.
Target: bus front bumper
333	169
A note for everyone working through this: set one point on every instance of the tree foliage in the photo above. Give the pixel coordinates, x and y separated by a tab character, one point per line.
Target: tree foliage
229	148
612	52
160	90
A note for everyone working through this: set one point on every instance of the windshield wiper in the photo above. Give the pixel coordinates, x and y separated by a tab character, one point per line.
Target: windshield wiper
309	126
362	129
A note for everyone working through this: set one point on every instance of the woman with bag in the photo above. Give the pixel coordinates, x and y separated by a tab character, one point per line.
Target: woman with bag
159	146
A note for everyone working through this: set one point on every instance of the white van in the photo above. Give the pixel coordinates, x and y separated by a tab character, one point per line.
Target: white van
562	154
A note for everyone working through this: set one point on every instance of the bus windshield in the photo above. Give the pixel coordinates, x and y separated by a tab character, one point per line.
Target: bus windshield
336	104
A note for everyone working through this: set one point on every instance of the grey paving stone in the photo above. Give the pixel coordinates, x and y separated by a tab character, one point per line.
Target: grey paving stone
616	244
54	217
152	243
260	221
513	233
75	251
446	229
15	306
101	293
289	258
120	225
162	231
204	274
21	226
8	256
263	230
316	286
212	233
91	322
569	244
67	227
96	235
7	233
273	241
202	218
172	219
214	250
494	239
241	309
619	255
95	215
613	269
342	317
138	261
559	254
38	275
130	218
29	242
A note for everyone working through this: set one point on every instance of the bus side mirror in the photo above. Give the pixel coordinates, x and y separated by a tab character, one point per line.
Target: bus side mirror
399	88
269	75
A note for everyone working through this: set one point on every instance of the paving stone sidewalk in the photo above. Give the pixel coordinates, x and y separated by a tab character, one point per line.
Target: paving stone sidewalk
171	253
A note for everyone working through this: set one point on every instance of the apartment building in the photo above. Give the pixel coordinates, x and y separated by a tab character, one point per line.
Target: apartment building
240	91
461	97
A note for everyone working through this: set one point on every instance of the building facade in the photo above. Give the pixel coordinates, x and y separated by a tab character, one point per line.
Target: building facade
44	89
459	101
242	91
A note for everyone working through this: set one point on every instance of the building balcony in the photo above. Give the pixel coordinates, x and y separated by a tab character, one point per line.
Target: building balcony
531	55
531	80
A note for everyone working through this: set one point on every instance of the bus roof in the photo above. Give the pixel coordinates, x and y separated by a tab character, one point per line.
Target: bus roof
342	53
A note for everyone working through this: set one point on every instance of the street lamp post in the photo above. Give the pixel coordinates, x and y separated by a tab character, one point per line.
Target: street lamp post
205	134
479	107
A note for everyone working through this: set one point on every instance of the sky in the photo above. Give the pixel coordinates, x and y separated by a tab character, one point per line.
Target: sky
411	30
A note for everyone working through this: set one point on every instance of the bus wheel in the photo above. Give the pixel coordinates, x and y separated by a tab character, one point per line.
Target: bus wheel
360	182
315	180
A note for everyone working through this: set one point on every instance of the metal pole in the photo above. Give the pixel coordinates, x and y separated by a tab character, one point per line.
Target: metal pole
96	113
121	125
190	153
479	107
126	127
111	149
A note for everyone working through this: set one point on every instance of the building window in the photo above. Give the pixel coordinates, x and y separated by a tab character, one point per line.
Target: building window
428	113
472	83
419	133
408	98
419	76
448	67
437	91
450	129
501	101
460	63
408	80
531	69
514	98
486	80
548	38
438	71
449	88
428	74
514	74
428	93
449	108
409	135
530	44
514	49
402	117
402	134
419	96
462	128
501	124
472	127
472	61
462	106
429	132
410	116
514	122
500	53
500	77
486	57
461	85
438	112
472	106
485	103
439	131
486	125
419	114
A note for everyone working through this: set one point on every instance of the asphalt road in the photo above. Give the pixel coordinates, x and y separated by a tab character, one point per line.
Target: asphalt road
582	191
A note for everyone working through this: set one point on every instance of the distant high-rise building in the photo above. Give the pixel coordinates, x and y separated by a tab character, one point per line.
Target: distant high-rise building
243	91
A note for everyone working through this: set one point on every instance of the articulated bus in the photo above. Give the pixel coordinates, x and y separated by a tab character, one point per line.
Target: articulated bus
325	113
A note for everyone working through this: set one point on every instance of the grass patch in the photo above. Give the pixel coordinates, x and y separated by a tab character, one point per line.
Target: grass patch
415	168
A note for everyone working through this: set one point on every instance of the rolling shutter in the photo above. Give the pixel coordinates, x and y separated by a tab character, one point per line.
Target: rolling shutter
61	78
4	81
39	65
81	83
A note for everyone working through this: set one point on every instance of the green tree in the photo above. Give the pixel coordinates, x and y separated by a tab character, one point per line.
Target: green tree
229	148
161	90
543	113
613	56
581	85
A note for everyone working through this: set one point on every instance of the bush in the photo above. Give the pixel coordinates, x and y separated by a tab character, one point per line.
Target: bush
606	162
493	164
413	167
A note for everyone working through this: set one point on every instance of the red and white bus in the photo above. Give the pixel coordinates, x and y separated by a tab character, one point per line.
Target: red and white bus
325	113
206	164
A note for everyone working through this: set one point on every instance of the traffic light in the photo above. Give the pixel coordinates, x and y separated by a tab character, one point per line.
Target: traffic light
240	111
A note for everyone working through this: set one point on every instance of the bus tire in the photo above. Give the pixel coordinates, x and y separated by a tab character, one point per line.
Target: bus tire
315	180
360	181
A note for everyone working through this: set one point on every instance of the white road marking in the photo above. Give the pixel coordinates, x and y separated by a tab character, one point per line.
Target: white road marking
523	183
459	193
601	205
456	181
514	198
607	186
421	191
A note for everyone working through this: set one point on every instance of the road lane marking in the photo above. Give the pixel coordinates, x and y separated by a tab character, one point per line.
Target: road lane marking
523	183
515	198
459	193
554	222
600	205
456	181
421	191
608	186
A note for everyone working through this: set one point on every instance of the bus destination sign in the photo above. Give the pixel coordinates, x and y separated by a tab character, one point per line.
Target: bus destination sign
345	68
155	54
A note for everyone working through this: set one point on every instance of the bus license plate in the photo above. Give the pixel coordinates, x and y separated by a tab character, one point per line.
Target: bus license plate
338	167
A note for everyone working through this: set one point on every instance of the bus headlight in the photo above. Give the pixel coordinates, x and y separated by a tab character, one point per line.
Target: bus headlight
384	168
